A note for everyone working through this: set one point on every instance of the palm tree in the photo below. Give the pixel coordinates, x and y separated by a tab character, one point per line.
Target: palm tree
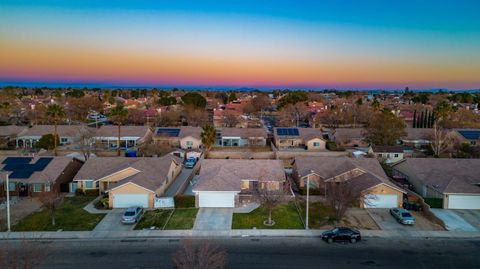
208	136
118	116
56	112
376	105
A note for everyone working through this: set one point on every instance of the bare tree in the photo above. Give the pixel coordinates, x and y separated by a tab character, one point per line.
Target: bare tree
269	194
22	254
159	148
341	196
291	115
440	140
85	141
195	116
230	119
168	118
51	200
199	255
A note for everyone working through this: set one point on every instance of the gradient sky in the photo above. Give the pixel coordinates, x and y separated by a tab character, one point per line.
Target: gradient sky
312	44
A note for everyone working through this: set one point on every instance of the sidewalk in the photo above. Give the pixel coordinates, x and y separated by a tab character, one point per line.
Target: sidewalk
145	234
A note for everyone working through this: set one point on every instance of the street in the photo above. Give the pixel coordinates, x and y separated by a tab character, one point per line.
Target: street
268	253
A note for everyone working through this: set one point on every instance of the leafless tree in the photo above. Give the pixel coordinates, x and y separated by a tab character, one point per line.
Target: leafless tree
51	200
199	255
168	118
22	254
341	196
195	116
270	194
291	115
85	141
440	140
230	119
158	148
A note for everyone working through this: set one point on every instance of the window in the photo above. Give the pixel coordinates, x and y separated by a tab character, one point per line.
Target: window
396	155
63	140
11	186
379	155
47	187
88	184
316	144
189	143
37	187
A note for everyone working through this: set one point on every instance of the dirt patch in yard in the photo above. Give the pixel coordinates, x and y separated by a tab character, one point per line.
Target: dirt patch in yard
360	219
19	209
424	224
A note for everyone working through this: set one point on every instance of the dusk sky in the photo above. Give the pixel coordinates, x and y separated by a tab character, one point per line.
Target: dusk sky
287	44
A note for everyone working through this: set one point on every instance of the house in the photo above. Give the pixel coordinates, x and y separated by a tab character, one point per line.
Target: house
365	174
241	137
470	136
231	183
388	154
129	181
417	137
185	137
30	176
455	181
66	134
8	135
349	137
305	138
106	137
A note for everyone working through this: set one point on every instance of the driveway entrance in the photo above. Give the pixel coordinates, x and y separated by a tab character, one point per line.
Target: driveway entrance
214	219
112	222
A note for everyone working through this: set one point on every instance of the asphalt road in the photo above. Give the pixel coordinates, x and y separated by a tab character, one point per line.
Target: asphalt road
268	253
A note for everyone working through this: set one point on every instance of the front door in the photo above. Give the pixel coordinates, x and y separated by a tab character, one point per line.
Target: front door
23	190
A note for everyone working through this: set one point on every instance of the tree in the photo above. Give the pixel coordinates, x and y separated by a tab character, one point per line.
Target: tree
269	197
260	102
46	142
291	115
75	93
155	149
136	117
229	119
199	255
195	116
79	108
414	124
84	140
51	200
166	99
232	97
385	129
195	99
375	105
208	136
118	115
440	140
292	98
168	118
55	112
341	196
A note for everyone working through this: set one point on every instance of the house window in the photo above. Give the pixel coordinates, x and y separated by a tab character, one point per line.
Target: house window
245	184
63	140
88	184
11	186
379	155
47	187
189	143
396	155
37	187
316	144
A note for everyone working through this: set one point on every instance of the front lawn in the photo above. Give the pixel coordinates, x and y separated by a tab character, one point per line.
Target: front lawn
319	214
155	218
285	217
182	219
70	216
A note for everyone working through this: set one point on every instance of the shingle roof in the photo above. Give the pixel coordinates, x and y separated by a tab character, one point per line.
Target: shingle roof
447	175
128	130
351	133
194	132
152	171
226	175
12	130
244	132
304	133
49	174
418	133
388	149
63	130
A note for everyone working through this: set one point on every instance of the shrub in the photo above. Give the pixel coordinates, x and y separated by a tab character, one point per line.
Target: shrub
312	191
87	192
434	202
184	201
331	145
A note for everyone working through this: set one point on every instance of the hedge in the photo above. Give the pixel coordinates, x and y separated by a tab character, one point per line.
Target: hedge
331	145
434	202
184	201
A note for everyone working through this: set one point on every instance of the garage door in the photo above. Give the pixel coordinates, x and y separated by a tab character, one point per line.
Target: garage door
130	200
464	201
381	201
216	199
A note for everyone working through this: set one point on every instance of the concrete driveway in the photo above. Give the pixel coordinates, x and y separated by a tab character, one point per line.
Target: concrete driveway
112	222
214	219
386	221
452	220
470	215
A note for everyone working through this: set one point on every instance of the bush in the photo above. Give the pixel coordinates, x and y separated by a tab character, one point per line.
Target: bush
434	202
331	145
303	191
184	201
87	192
102	203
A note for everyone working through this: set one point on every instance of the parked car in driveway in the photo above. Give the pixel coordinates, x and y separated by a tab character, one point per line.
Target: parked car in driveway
190	163
132	215
402	216
342	234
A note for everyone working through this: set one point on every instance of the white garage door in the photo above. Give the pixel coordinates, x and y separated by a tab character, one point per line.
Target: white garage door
464	201
130	200
381	201
216	199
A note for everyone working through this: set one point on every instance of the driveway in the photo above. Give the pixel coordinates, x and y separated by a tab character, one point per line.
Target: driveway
214	219
469	215
453	222
112	222
386	221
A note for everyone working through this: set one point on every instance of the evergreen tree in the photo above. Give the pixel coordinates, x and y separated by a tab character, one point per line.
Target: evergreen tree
420	123
414	124
425	119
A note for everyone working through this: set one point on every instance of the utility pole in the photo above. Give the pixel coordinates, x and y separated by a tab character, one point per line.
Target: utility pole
8	201
308	194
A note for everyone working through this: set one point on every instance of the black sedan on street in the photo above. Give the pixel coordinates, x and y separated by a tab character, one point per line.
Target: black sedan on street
341	234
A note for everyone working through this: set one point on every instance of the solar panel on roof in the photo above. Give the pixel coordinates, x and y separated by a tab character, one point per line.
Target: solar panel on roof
287	131
22	168
168	132
471	135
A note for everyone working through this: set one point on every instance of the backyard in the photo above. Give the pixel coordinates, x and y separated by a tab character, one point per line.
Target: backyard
182	218
285	217
69	216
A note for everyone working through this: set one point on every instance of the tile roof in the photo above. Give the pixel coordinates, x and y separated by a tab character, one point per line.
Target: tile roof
447	175
226	175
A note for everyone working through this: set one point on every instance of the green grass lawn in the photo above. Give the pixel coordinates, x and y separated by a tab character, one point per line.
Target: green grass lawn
156	218
70	216
182	218
319	214
285	217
